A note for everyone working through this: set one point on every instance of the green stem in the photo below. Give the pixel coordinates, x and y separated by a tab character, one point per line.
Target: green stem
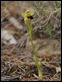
38	64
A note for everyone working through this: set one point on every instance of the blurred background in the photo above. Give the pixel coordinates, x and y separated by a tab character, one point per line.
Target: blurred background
47	17
16	53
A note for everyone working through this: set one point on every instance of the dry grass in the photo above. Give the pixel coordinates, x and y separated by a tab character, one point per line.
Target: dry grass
17	60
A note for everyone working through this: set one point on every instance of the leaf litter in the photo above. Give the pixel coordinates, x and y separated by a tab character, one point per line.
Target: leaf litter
17	60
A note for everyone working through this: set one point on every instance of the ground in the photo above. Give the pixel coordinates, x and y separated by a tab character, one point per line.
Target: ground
17	62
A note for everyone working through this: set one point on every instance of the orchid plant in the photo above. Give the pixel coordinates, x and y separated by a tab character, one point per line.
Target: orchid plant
27	19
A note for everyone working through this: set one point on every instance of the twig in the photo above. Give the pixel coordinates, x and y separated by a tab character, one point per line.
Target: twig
23	38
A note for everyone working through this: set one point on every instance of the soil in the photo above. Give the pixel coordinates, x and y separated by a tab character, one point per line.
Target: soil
20	62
